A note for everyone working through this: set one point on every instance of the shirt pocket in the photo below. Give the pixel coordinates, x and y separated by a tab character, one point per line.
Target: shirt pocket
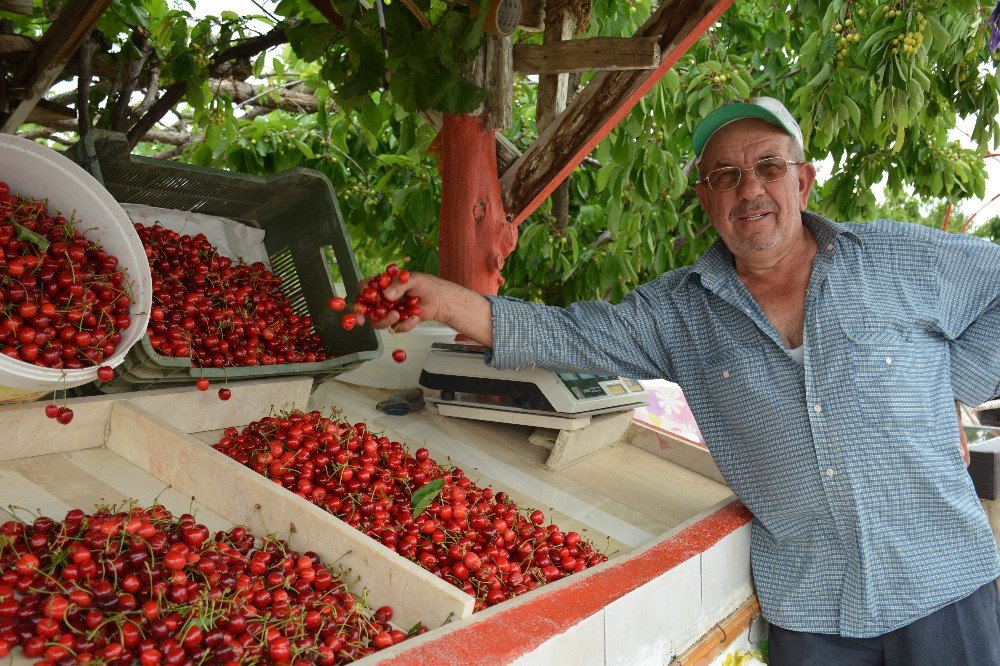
742	386
884	372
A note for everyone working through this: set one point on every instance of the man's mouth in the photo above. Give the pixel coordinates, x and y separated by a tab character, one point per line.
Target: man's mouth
753	217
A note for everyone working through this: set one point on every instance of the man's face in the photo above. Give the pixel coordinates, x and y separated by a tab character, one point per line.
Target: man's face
756	220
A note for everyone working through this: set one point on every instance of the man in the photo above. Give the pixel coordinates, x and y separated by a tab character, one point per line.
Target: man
822	362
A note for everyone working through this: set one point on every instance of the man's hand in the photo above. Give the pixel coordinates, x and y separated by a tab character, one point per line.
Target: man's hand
961	435
464	310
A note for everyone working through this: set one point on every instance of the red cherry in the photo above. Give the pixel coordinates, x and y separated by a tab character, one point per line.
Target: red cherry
51	411
105	373
225	394
399	356
202	384
65	415
337	304
349	321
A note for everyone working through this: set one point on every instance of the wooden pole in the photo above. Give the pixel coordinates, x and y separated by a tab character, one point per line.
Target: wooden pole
475	236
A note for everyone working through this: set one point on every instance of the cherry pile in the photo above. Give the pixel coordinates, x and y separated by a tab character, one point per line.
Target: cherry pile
63	299
476	540
221	313
126	584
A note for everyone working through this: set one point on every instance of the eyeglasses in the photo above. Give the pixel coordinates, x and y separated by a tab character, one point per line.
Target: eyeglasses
767	170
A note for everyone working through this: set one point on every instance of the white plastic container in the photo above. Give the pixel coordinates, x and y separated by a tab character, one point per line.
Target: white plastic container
41	173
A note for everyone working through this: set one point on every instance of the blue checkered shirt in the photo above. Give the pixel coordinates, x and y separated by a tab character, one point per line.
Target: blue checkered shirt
865	517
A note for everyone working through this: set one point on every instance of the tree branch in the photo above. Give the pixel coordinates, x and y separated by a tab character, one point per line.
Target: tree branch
175	92
85	54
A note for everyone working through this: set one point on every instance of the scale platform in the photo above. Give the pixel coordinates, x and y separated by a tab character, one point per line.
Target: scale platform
534	396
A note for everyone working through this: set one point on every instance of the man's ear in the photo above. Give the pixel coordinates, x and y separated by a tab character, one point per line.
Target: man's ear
807	177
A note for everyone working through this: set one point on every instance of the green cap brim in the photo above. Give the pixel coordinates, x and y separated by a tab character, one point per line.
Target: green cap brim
727	114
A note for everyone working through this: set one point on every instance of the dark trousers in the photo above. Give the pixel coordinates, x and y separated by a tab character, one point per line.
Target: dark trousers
965	633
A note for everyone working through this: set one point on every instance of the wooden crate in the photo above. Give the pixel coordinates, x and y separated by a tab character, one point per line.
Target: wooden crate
135	445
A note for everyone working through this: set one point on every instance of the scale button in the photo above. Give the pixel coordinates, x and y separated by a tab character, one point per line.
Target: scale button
617	389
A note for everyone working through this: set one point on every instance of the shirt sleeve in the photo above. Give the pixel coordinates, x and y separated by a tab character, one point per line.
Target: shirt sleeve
593	336
968	272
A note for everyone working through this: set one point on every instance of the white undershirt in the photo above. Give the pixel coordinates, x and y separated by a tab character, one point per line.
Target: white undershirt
798	355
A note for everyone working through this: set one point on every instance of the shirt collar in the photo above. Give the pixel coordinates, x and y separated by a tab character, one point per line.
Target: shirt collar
715	266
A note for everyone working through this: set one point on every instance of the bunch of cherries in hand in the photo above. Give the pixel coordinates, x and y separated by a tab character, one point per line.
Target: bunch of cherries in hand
373	303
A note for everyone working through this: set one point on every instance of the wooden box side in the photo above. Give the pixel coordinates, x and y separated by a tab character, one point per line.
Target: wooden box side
243	496
190	410
25	431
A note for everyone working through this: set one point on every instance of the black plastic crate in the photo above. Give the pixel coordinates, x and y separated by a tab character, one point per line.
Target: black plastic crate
297	209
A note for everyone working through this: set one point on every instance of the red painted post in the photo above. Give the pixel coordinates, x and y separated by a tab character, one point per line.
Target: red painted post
475	236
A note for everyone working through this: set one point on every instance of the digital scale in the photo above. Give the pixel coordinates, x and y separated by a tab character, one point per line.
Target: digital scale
537	396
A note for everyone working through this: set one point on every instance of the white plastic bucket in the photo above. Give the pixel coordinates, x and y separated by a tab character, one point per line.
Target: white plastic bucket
41	173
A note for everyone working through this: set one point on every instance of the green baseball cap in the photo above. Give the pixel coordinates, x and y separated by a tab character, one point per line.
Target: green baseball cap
762	108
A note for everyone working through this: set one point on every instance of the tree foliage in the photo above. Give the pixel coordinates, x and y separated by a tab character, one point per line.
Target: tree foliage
876	85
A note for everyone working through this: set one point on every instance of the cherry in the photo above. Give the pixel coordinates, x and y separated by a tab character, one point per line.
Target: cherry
202	384
105	373
337	304
225	394
65	415
348	321
399	356
61	306
51	411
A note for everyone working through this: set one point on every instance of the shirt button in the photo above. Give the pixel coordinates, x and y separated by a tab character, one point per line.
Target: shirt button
830	247
830	473
818	408
725	373
888	359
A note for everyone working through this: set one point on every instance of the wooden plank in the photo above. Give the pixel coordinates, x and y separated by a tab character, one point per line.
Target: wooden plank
190	410
26	431
246	497
532	16
720	636
47	112
15	44
594	54
601	105
499	83
26	7
571	446
54	50
984	468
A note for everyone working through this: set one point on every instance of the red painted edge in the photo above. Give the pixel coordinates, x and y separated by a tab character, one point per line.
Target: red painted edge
508	635
665	64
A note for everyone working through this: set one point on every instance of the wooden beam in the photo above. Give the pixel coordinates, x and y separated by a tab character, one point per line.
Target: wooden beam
46	112
54	50
985	469
532	16
15	45
499	82
601	105
553	93
596	54
720	636
26	7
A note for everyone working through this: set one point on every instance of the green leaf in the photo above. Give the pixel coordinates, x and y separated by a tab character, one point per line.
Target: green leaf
305	149
414	630
28	236
423	496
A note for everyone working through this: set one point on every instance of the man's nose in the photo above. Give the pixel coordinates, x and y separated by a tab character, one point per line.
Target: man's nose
750	186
